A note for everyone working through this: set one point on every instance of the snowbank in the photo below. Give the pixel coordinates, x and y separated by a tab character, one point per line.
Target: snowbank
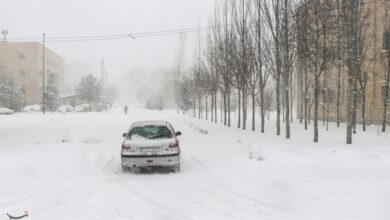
32	108
6	111
82	108
65	108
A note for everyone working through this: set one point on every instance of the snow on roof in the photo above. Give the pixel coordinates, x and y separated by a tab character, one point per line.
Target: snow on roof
151	122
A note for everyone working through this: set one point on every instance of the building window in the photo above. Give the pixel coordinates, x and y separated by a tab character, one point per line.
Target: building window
384	89
22	74
23	90
329	95
22	58
359	96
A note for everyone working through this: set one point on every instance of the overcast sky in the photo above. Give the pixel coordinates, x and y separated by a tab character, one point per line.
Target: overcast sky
30	18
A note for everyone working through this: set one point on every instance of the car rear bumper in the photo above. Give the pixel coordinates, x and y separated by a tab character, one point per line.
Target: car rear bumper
150	160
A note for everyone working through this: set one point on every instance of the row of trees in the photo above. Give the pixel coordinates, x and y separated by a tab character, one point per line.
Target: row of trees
335	36
248	61
88	90
260	52
12	96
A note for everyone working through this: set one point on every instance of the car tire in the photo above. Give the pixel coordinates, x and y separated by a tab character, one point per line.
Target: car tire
125	169
176	168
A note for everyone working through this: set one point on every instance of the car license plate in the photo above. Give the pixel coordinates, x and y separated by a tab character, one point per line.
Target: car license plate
150	149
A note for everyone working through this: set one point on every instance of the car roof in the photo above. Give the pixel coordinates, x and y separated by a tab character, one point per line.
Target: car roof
146	123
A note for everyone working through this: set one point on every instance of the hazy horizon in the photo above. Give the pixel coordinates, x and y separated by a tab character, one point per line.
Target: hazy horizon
26	19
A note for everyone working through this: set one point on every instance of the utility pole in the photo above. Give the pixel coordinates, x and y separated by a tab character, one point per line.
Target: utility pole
103	80
106	88
43	73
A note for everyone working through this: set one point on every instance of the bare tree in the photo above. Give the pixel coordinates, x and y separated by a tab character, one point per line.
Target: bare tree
273	15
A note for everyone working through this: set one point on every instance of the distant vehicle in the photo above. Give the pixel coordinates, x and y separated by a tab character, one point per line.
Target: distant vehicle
151	144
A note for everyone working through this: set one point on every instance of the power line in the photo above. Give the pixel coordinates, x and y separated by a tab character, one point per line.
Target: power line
117	36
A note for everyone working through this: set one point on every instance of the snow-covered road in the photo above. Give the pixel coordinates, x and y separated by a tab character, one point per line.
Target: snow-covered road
67	166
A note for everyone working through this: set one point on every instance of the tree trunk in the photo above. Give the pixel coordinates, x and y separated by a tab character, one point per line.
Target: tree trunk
338	93
352	23
244	109
354	115
286	74
301	97
287	103
224	109
262	115
229	109
215	107
316	92
339	63
364	109
212	107
350	109
323	98
277	105
386	98
239	109
221	106
327	115
306	94
253	110
207	110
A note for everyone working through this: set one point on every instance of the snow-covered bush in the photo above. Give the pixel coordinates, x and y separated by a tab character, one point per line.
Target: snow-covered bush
52	97
82	108
32	108
6	111
65	108
10	94
155	103
36	108
89	90
27	108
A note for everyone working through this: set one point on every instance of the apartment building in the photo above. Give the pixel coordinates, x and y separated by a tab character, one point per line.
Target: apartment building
374	69
23	61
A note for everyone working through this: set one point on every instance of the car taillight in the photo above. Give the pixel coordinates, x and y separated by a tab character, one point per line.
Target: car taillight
174	143
125	146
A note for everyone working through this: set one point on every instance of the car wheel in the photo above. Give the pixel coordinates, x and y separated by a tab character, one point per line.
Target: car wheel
125	169
176	169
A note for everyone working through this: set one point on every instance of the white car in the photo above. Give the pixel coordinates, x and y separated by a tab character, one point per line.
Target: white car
151	144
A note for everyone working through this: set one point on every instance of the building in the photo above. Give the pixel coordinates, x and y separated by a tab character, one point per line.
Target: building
23	62
370	96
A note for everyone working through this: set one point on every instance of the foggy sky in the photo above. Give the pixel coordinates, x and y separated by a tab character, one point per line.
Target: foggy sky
31	18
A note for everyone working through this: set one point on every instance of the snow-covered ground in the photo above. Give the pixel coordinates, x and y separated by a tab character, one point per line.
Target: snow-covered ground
67	166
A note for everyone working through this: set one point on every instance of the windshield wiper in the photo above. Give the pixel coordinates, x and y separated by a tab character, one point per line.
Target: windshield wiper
159	136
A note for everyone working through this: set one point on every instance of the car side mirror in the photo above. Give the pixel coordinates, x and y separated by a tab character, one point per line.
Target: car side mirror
178	133
124	135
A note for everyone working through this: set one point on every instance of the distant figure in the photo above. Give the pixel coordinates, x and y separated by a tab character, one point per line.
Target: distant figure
125	109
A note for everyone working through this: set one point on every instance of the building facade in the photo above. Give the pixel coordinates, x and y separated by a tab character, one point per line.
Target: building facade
23	61
370	88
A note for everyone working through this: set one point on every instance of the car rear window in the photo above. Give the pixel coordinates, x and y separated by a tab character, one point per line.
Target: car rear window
150	132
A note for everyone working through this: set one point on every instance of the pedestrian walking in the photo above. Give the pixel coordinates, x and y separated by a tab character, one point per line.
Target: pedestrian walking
125	109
